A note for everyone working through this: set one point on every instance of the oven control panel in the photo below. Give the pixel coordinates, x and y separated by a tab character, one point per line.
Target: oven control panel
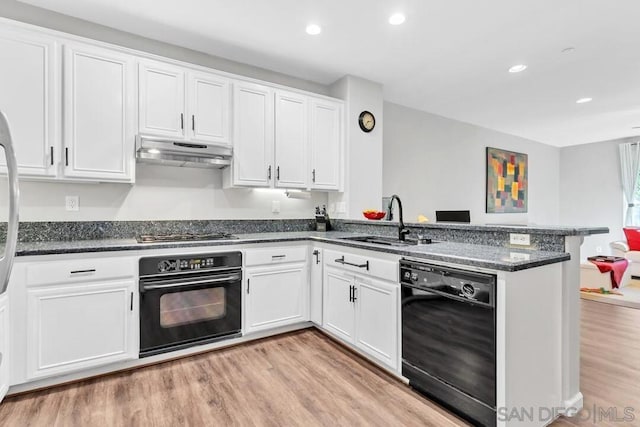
168	264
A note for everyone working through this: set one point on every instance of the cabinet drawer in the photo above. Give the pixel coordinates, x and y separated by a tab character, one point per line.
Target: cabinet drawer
79	270
363	264
275	255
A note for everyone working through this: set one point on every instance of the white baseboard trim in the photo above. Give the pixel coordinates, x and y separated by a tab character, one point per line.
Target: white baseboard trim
573	406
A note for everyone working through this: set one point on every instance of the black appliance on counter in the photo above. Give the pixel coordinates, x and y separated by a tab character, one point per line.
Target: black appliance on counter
449	337
453	216
188	300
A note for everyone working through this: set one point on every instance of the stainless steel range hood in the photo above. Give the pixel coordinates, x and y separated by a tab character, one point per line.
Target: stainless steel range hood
151	149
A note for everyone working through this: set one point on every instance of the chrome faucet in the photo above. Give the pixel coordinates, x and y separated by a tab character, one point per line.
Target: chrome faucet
402	230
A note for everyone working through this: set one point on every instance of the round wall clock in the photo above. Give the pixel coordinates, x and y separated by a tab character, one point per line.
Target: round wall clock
367	121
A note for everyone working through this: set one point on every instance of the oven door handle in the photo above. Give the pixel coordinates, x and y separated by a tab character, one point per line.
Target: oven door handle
230	279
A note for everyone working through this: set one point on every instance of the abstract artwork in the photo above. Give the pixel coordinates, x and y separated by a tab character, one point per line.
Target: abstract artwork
507	182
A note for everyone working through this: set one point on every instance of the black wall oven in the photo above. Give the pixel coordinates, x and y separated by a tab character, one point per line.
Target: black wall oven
189	300
449	337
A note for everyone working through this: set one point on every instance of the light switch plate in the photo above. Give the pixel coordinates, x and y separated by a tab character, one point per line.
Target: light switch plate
72	203
275	206
519	239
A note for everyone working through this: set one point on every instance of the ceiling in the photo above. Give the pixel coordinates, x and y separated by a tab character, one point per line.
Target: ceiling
450	57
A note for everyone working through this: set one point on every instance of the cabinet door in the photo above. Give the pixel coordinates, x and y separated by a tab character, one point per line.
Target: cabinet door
209	105
252	135
315	300
326	144
4	345
338	314
99	125
292	139
276	296
377	319
29	91
79	326
162	99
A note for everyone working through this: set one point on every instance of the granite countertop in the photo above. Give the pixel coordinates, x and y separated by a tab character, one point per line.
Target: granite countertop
560	230
492	257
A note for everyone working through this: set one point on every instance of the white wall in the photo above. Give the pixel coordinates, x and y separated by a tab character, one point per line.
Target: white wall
434	163
591	192
160	192
363	154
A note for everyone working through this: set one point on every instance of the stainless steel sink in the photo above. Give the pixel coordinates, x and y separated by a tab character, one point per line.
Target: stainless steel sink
379	240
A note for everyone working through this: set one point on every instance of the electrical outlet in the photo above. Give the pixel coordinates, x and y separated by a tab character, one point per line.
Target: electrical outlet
598	249
275	206
341	207
72	203
520	239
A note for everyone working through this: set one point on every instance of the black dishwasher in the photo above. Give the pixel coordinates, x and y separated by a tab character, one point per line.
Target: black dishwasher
449	337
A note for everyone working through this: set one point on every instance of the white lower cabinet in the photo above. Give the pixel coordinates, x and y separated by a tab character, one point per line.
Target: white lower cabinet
360	309
339	309
78	326
276	294
376	317
4	345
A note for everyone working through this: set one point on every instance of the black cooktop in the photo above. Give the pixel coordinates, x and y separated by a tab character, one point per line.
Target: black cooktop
186	237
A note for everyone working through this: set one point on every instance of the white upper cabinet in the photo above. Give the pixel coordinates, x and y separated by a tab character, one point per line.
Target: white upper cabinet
29	85
99	121
252	135
177	102
326	144
209	100
291	140
162	99
285	139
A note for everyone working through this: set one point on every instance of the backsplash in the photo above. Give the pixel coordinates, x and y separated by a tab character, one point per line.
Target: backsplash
478	235
94	230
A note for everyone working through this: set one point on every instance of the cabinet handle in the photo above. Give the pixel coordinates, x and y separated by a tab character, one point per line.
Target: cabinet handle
248	284
277	257
193	122
313	175
90	271
131	305
350	293
269	173
66	156
182	121
343	262
51	150
354	298
278	173
316	253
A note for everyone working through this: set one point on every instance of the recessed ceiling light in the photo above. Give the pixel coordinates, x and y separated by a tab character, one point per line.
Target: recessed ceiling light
584	100
517	68
314	29
568	49
397	19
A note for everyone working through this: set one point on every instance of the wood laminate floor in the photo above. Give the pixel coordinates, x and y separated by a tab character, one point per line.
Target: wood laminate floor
305	379
609	366
299	379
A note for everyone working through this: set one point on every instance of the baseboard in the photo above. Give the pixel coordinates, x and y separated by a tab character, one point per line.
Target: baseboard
573	406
